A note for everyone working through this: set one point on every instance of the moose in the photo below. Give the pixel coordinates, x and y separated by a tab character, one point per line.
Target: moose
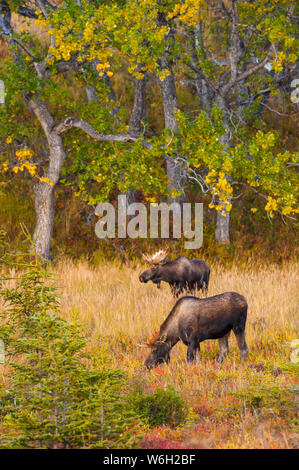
193	320
180	273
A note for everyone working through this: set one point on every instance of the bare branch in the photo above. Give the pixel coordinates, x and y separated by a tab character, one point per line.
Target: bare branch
256	67
71	122
278	112
28	52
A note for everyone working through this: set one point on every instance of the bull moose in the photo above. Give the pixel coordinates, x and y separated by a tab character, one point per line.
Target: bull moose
181	274
193	320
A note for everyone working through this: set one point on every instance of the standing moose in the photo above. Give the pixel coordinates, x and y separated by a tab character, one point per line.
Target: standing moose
180	273
194	320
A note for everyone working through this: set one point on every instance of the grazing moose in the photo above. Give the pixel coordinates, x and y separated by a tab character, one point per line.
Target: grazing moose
193	320
180	273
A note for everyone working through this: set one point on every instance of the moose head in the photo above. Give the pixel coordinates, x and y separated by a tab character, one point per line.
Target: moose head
156	260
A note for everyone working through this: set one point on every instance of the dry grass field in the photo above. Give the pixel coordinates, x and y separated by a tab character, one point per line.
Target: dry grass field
235	405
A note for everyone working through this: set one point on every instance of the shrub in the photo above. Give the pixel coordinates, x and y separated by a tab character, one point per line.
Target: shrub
161	407
269	396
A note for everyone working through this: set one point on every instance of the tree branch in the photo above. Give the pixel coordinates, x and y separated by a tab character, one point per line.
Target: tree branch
27	12
262	196
71	122
44	117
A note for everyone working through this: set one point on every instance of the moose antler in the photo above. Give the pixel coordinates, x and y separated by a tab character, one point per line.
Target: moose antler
150	342
157	258
153	341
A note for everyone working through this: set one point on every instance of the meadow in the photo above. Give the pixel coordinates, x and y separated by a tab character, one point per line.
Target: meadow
233	405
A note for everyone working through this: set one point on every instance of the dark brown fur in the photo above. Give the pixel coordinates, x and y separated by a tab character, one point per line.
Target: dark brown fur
181	274
193	320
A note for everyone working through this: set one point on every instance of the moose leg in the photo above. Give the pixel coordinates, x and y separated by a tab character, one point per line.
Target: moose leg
206	285
242	344
192	346
172	288
175	289
223	347
205	289
192	288
178	288
181	287
197	354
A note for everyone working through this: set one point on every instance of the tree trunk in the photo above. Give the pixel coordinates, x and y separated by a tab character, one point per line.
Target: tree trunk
44	211
137	115
170	103
222	227
91	93
138	110
203	87
44	198
44	190
223	221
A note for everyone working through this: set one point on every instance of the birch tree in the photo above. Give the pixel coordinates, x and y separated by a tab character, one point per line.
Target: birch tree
232	47
32	77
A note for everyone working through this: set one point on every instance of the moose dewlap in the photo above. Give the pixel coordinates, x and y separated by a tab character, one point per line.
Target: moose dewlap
193	320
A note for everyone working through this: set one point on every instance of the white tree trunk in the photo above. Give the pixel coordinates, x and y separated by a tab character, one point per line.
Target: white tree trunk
44	211
222	227
44	190
223	221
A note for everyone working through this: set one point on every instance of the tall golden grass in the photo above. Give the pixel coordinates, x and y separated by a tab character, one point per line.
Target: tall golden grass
111	300
119	313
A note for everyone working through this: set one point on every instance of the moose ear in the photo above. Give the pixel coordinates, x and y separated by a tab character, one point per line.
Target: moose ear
163	339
